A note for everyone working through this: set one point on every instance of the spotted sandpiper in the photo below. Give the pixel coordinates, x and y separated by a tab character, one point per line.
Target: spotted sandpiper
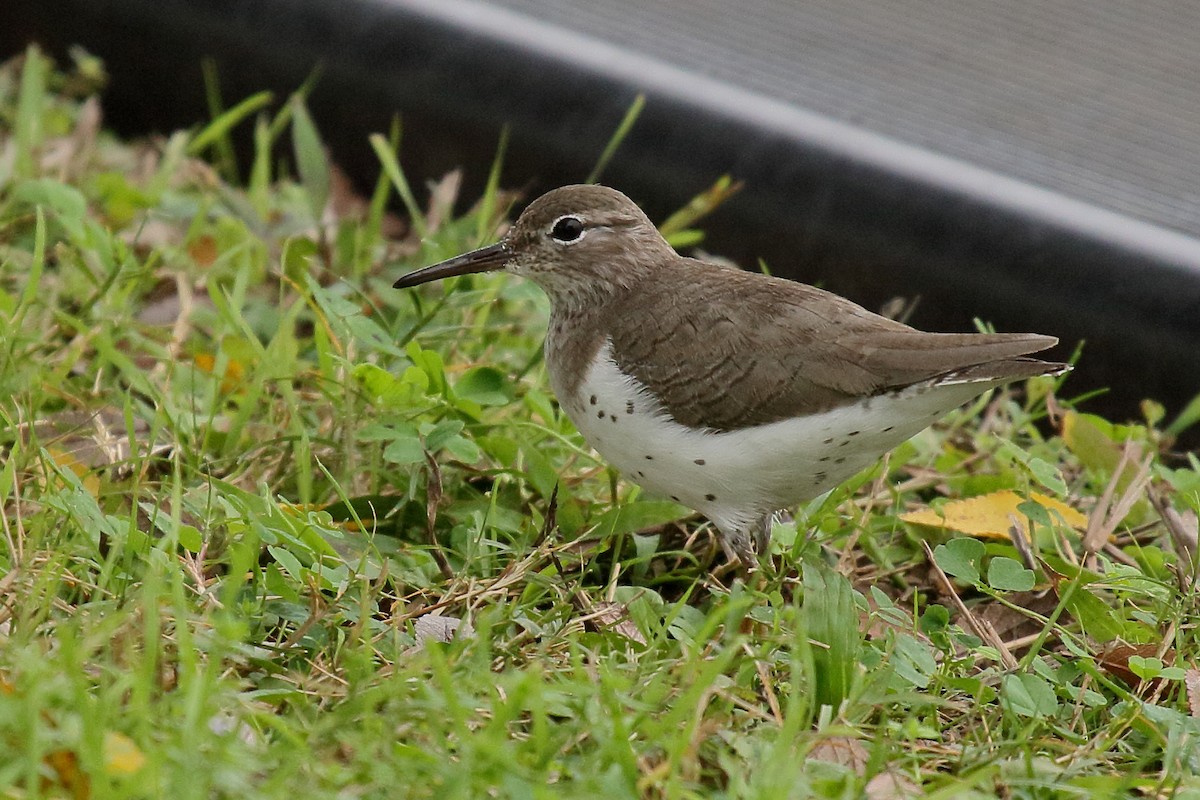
733	393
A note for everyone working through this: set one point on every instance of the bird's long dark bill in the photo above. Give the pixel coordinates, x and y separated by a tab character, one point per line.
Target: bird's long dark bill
485	259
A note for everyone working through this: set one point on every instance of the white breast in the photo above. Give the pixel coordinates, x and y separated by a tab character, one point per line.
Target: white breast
736	477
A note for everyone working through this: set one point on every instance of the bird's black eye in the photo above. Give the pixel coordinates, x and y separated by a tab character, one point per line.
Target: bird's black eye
567	229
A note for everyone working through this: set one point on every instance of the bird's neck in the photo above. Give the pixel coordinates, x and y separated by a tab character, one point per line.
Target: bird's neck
578	327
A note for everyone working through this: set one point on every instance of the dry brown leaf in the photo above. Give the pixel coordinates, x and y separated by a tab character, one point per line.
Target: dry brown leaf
850	753
1184	527
890	786
987	516
83	138
203	250
89	440
344	199
1010	624
982	628
151	234
1191	682
606	615
1114	659
442	197
843	750
433	496
67	774
170	308
436	628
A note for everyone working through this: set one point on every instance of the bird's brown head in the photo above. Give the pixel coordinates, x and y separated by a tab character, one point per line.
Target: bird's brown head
578	243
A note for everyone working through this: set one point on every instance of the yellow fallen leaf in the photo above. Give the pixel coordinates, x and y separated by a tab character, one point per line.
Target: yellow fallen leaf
65	460
234	371
987	516
121	755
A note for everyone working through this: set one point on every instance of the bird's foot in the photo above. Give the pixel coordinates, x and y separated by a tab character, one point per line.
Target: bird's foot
762	531
739	546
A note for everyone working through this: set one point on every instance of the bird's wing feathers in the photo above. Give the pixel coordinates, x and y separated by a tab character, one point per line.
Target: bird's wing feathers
759	350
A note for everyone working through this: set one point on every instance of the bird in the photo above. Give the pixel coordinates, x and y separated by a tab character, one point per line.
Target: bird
736	394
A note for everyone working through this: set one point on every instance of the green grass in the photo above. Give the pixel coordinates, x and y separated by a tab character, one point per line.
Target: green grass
243	480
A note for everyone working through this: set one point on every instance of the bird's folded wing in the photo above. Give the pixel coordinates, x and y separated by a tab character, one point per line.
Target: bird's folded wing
760	350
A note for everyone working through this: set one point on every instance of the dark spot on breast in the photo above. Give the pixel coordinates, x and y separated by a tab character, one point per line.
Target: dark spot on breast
628	406
649	458
820	478
699	462
889	428
641	474
843	442
592	399
840	461
823	458
828	441
613	417
676	499
599	415
854	433
710	497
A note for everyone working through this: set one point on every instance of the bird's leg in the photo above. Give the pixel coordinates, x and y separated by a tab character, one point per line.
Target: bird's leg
762	529
737	543
762	533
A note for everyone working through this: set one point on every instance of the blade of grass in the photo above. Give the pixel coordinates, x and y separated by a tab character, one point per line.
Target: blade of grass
259	189
831	619
310	158
373	230
635	110
485	222
284	117
225	158
31	101
173	154
391	167
700	206
220	127
36	264
1188	417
